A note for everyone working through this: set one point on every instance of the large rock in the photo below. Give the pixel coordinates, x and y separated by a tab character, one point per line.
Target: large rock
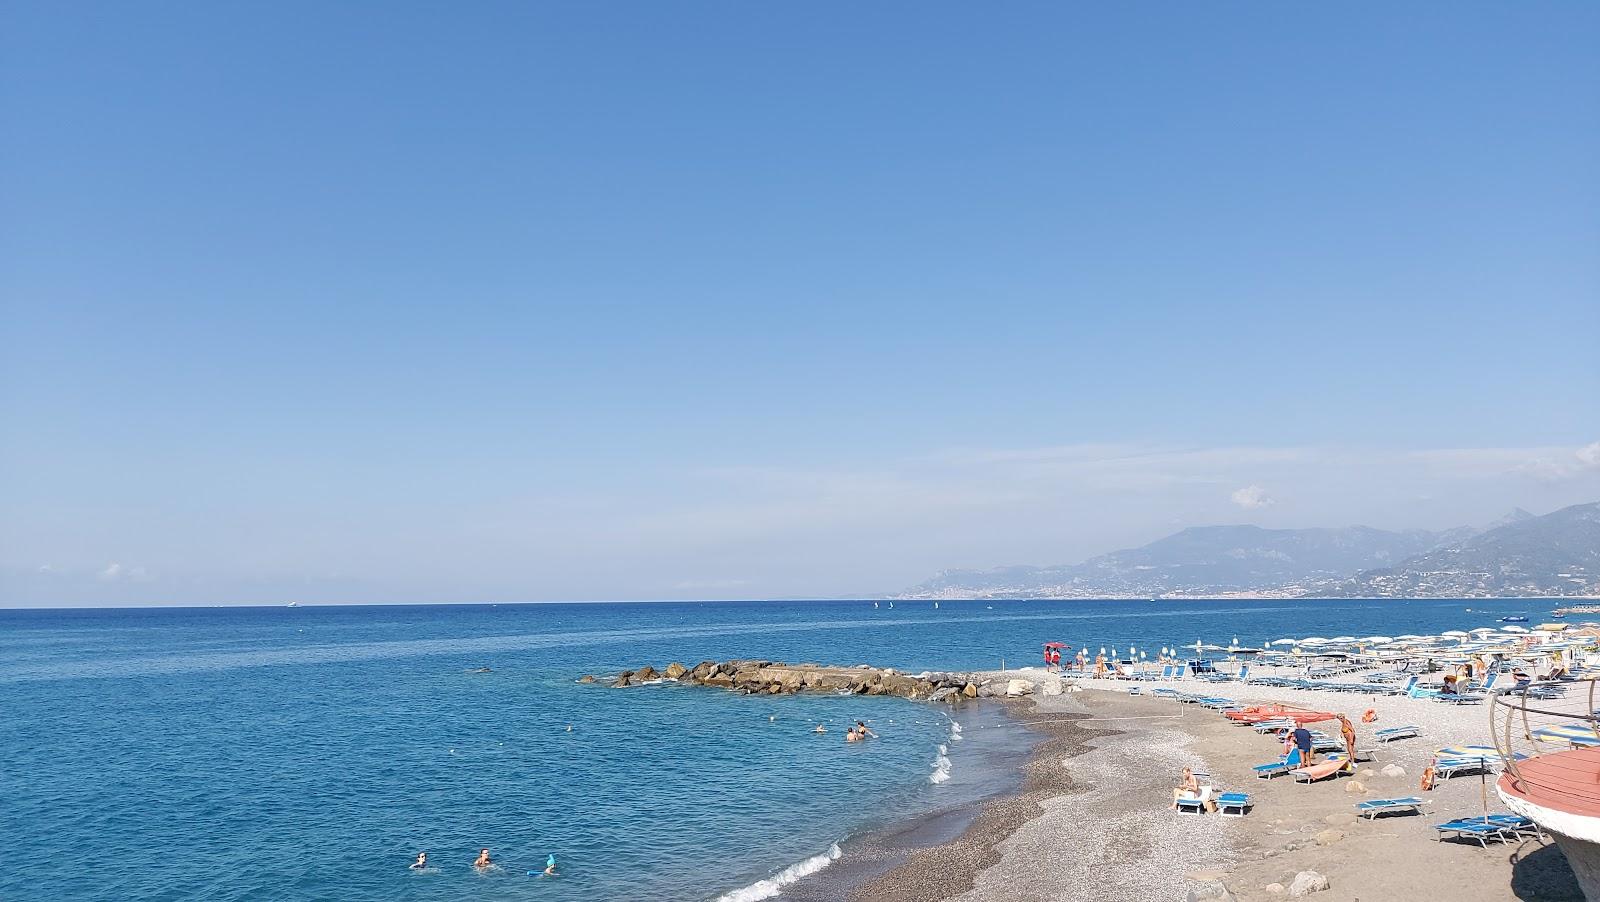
675	671
721	679
1017	688
1329	837
947	694
1354	786
1209	889
1308	882
970	690
624	678
1393	770
646	673
1275	889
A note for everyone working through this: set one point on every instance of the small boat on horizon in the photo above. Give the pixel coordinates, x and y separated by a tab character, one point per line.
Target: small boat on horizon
1513	620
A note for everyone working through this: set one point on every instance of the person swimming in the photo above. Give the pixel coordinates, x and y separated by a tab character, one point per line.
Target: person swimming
851	735
820	729
421	862
483	861
861	729
550	866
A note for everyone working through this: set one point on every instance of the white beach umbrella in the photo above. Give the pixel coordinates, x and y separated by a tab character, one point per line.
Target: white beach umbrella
1343	639
1377	639
1313	640
1285	642
1514	629
1458	634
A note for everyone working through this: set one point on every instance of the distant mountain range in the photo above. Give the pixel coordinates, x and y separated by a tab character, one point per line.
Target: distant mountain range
1520	554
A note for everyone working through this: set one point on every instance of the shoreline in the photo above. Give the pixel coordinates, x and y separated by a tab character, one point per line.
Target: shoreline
881	850
927	873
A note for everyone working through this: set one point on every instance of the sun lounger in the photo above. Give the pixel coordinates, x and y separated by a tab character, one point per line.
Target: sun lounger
1515	824
1191	805
1390	734
1273	769
1232	804
1477	828
1321	770
1492	826
1371	808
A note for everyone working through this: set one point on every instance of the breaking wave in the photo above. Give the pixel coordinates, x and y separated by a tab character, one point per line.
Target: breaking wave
941	766
766	889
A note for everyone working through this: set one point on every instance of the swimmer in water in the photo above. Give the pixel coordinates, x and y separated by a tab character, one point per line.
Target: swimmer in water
820	729
483	860
851	735
862	729
421	862
550	866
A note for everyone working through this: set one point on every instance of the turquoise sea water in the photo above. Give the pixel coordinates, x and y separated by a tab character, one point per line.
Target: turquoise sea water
311	752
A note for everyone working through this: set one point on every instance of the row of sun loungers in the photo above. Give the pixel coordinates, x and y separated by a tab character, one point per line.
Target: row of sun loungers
1498	827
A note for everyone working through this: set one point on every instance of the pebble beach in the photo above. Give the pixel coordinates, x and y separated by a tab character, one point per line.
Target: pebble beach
1093	819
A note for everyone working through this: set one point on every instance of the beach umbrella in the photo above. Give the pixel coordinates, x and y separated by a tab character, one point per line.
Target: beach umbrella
1343	639
1514	629
1378	639
1313	640
1285	642
1454	634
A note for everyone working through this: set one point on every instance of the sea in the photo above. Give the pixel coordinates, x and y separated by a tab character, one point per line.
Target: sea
311	752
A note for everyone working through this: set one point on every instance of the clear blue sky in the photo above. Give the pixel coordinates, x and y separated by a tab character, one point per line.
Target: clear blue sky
365	302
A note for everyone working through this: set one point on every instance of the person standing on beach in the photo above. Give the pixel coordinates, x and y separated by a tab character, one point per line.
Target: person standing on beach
1301	739
1349	733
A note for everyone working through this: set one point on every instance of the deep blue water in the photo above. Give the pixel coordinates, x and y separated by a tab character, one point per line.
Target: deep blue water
311	752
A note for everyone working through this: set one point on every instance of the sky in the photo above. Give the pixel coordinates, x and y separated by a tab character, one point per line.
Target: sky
425	302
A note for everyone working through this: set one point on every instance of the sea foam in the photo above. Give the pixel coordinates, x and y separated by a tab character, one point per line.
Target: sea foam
955	731
766	889
941	766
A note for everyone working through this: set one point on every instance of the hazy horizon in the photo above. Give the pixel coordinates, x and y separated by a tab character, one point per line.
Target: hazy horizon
520	303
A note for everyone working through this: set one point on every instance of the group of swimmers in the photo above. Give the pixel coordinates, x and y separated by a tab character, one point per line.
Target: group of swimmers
485	863
856	733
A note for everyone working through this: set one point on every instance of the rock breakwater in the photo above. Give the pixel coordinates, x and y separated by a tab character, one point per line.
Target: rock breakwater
751	677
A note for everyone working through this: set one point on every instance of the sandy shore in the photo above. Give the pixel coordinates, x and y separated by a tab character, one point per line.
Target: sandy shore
1093	822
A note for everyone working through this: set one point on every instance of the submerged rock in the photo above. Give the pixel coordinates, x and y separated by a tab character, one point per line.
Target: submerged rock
675	671
586	678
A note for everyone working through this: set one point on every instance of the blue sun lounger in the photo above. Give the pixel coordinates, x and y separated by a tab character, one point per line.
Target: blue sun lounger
1232	804
1273	769
1478	828
1390	734
1371	808
1191	805
1492	826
